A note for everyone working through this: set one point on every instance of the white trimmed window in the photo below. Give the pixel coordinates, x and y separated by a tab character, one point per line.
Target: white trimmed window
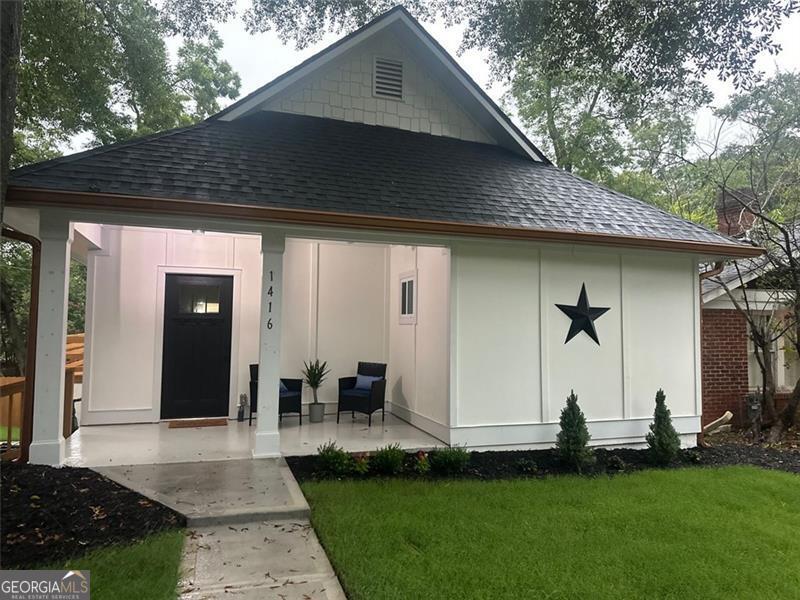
408	298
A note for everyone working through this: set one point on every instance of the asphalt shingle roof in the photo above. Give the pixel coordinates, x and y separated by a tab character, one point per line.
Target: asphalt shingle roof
289	161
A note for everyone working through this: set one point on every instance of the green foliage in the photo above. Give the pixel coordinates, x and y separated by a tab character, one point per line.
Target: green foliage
315	373
15	296
361	464
663	440
333	461
526	466
572	442
615	463
388	460
76	307
421	465
452	460
101	68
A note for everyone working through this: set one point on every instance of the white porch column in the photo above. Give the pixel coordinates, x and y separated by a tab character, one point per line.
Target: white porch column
267	440
47	445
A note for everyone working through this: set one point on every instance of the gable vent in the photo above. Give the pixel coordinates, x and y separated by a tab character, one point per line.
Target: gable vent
387	79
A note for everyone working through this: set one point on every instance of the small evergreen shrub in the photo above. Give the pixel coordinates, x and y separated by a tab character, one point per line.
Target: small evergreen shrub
526	466
662	440
449	461
333	461
388	460
572	442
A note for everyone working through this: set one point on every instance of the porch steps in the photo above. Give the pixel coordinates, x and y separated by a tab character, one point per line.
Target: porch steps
218	492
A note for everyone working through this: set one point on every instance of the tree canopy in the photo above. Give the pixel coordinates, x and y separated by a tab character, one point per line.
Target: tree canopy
101	68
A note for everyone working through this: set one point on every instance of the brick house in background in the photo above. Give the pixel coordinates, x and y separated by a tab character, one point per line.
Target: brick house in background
729	367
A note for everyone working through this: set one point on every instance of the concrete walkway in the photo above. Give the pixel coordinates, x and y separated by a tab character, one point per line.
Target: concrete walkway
249	533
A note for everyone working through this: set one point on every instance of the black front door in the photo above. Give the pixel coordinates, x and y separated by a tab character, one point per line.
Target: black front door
196	372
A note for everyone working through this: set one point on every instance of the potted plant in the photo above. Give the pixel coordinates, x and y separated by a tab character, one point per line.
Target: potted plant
314	374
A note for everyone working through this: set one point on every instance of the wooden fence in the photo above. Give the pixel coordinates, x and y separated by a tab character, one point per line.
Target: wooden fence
12	399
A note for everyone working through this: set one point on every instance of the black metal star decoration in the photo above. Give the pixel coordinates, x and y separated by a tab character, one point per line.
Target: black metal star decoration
582	316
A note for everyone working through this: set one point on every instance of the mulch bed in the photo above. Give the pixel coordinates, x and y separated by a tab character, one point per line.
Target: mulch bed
51	514
543	463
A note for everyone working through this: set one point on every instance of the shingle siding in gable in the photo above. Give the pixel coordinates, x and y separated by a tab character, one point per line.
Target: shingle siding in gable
343	91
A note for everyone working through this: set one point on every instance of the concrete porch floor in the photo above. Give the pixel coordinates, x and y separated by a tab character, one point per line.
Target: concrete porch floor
155	443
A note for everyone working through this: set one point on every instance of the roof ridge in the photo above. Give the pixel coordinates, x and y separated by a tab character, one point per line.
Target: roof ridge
67	158
702	228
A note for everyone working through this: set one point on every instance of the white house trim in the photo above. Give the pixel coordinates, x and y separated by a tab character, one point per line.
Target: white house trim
610	432
438	430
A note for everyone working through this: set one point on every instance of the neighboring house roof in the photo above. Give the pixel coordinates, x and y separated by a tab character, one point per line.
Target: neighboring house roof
472	96
301	166
734	275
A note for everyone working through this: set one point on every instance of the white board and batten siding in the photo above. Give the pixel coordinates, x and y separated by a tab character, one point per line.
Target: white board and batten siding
511	370
337	303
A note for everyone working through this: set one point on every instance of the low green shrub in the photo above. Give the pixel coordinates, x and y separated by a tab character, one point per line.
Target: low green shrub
616	463
526	466
449	461
572	442
663	440
388	460
693	456
333	461
361	464
420	463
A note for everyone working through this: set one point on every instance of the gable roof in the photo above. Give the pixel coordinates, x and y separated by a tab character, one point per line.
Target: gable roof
477	100
298	169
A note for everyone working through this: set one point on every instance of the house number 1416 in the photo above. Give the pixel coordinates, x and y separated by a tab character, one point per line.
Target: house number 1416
270	293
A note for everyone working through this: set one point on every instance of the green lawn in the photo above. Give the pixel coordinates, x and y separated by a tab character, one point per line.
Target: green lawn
145	570
690	533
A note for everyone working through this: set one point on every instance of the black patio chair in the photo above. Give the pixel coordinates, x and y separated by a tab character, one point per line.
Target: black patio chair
290	400
360	399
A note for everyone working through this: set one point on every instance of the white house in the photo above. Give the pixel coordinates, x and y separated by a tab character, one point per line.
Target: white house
293	222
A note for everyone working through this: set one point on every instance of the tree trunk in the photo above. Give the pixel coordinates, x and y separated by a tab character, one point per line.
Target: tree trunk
786	418
556	138
769	384
10	27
